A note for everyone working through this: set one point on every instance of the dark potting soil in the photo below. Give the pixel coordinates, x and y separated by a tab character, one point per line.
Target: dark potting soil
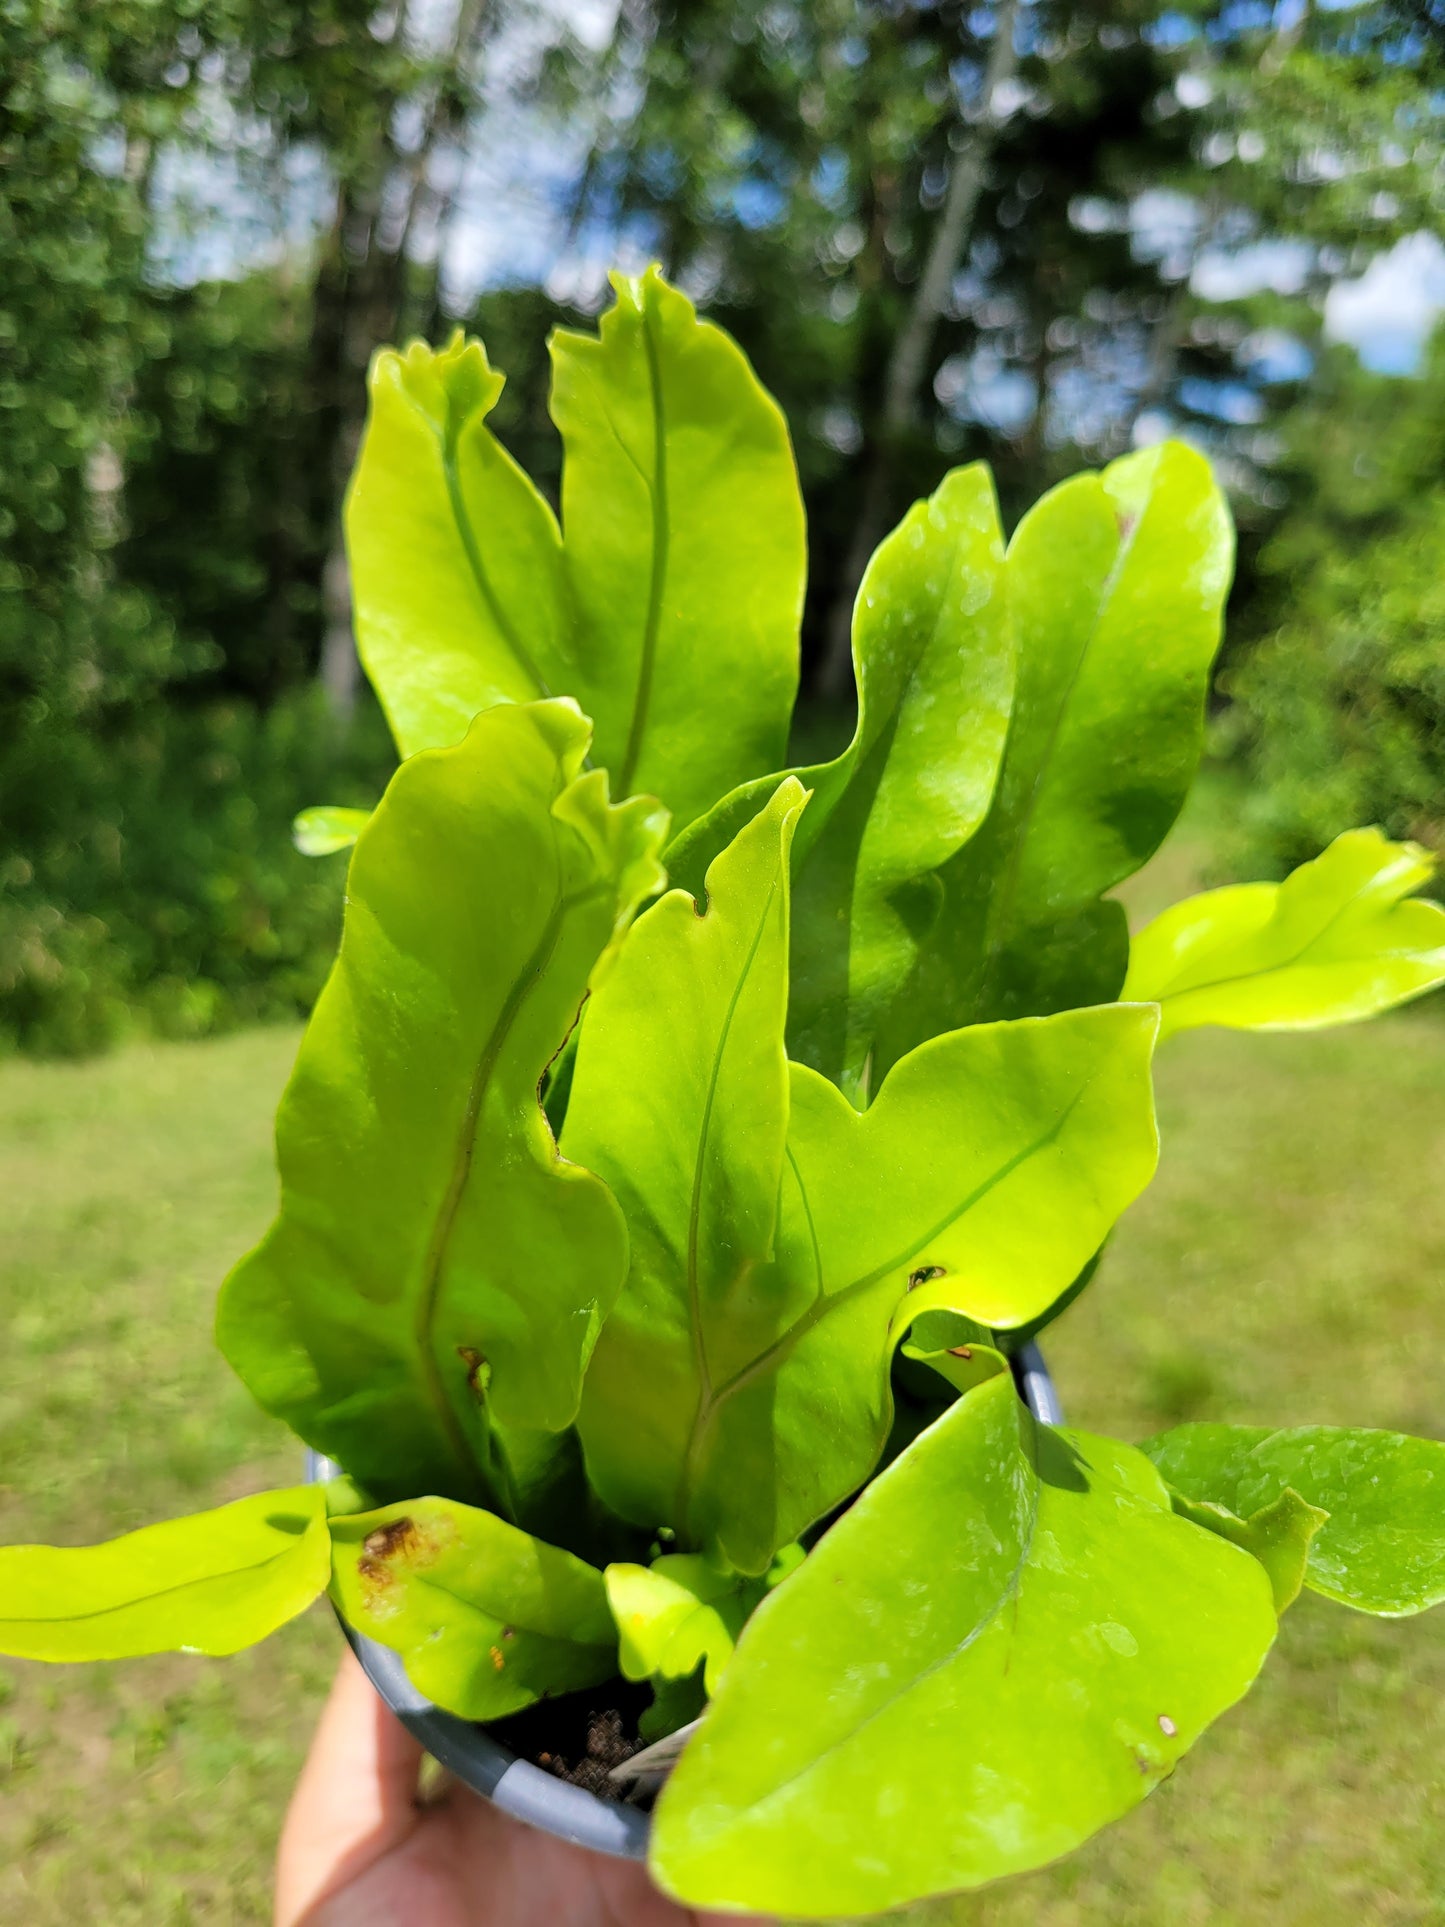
580	1737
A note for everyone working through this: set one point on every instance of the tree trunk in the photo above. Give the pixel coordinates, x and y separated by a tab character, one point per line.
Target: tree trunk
908	363
360	295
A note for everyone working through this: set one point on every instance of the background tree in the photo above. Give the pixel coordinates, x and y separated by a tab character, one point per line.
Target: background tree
1339	707
1033	233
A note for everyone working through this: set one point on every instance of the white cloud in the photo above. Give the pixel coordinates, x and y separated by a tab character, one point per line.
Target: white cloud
1387	315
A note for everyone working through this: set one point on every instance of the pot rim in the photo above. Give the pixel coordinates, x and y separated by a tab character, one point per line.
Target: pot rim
517	1787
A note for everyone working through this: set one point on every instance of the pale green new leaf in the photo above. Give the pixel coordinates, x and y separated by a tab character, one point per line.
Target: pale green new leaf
486	1619
890	1729
681	1612
680	1101
952	1345
457	586
933	659
1116	586
1340	939
212	1583
437	1271
1382	1547
685	552
326	828
1277	1535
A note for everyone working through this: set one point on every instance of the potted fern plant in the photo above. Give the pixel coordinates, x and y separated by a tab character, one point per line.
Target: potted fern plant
685	1147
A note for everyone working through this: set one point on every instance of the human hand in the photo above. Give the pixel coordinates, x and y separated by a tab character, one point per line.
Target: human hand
358	1850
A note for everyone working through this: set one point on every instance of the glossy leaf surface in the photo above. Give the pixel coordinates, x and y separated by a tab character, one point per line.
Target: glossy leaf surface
212	1583
327	828
457	584
1340	939
685	552
1067	1640
1116	587
740	1408
437	1270
1382	1547
486	1618
933	659
680	1101
974	1183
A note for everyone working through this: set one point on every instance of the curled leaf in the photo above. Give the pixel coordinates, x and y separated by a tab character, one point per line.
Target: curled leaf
1380	1544
1340	939
1278	1535
933	656
456	560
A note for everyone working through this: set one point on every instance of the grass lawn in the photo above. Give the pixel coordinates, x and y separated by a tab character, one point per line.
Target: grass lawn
1289	1264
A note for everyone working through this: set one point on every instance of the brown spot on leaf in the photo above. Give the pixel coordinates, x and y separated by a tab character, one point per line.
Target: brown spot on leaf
924	1275
960	1351
401	1542
391	1540
479	1372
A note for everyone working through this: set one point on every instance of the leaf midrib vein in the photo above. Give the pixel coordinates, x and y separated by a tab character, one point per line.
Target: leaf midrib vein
694	1224
647	660
472	550
162	1592
826	1303
1301	956
521	988
1001	902
1007	1593
483	1610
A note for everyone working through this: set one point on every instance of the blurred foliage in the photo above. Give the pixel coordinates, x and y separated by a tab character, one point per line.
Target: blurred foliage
793	160
943	232
1339	708
226	517
167	894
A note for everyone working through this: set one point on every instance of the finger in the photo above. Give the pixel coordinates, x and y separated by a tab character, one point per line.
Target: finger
354	1802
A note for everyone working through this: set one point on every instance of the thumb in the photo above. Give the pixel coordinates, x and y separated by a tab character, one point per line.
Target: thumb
355	1800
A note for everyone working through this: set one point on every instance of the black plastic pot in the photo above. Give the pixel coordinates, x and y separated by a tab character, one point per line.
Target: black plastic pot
516	1786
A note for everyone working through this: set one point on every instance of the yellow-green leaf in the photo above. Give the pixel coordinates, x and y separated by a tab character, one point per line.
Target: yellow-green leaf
437	1270
1380	1542
211	1583
1340	939
680	1101
487	1619
326	828
933	656
685	551
456	563
1116	585
1006	1642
